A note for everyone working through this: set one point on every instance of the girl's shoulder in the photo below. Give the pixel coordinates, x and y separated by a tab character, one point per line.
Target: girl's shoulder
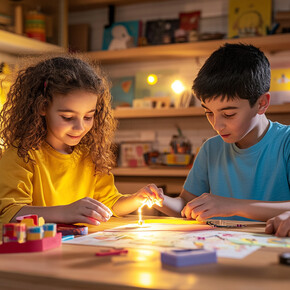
10	159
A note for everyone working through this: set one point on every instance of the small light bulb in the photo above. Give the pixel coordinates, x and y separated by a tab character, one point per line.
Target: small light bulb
152	79
177	87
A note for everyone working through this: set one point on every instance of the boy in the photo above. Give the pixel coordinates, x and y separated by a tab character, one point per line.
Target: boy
245	170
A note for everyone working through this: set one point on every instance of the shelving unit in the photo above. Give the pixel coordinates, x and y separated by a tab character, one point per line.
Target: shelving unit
152	171
129	180
130	113
269	44
12	43
79	5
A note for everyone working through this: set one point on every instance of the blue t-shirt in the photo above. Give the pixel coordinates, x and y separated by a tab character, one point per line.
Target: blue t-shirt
260	172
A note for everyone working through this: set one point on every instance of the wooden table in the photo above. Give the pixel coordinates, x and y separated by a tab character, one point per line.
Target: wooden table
77	267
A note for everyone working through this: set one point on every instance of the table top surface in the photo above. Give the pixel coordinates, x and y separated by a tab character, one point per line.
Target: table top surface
77	267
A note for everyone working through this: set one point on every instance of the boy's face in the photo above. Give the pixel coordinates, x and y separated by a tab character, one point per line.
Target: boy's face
235	121
69	118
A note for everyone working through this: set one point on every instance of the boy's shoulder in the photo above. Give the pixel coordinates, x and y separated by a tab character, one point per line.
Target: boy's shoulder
279	130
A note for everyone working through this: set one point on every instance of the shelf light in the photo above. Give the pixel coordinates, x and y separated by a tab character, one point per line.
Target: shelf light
152	79
177	86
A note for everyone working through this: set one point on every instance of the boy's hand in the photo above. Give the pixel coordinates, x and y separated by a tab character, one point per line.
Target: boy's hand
150	194
208	205
86	210
279	225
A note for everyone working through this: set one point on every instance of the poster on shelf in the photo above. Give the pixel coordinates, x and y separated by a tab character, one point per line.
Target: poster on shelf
249	18
123	91
280	86
122	35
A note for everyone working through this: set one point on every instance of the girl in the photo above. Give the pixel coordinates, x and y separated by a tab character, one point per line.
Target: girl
56	132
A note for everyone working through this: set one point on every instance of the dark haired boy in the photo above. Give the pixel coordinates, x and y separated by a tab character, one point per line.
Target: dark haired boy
245	170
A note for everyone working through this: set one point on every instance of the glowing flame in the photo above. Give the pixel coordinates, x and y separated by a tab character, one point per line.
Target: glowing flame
149	203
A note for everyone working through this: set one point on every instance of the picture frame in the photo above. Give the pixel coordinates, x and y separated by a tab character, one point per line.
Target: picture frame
132	29
131	154
122	91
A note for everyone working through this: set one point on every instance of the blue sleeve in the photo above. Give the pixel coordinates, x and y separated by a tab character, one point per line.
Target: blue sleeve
197	180
287	157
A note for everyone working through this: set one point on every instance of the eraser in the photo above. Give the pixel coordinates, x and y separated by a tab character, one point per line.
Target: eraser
188	257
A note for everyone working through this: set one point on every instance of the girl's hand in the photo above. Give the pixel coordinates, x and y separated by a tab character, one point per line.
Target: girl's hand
279	225
208	205
86	210
150	194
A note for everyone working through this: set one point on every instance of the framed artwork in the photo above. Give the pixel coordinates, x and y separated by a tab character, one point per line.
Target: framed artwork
122	35
161	31
132	154
280	86
249	18
123	91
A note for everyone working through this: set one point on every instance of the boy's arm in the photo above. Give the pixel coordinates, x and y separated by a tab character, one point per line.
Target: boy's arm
209	205
172	206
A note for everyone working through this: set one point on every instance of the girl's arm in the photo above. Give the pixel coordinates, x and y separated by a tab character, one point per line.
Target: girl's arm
85	210
150	194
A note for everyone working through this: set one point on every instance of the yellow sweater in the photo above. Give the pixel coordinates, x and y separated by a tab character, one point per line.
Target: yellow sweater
54	179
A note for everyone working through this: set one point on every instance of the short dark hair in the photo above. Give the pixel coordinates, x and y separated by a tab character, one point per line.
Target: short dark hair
234	71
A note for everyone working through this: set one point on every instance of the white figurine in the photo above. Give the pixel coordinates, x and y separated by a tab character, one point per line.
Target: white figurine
121	38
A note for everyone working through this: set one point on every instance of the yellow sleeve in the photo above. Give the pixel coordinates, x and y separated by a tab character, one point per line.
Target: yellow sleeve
16	187
106	191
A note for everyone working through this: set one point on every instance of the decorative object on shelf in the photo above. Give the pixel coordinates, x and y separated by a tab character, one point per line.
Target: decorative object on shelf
249	18
282	18
177	159
5	70
210	36
189	22
185	99
6	16
123	91
131	154
18	17
29	234
35	25
161	31
280	86
180	148
79	35
152	103
122	35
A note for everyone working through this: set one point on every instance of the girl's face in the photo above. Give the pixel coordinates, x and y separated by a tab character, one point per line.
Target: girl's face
69	118
235	121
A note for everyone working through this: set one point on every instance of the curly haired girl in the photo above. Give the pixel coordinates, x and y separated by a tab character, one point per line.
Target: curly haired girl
56	132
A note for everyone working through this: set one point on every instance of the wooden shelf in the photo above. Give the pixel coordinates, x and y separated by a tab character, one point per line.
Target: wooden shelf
269	44
20	45
79	5
148	171
130	113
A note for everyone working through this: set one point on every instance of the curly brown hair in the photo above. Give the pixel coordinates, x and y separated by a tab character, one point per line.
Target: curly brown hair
23	127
